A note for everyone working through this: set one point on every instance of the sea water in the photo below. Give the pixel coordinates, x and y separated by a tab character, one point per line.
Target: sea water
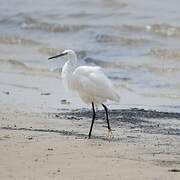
136	42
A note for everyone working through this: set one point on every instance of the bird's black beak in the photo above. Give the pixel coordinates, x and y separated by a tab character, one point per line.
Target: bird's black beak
59	55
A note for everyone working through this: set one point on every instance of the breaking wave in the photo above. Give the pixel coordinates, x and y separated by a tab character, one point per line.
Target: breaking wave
123	41
35	24
162	30
20	67
30	23
165	53
15	40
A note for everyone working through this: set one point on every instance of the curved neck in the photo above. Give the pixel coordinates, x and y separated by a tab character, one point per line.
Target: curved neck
68	69
72	59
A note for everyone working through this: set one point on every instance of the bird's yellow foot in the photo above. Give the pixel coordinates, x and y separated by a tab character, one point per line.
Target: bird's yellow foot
109	134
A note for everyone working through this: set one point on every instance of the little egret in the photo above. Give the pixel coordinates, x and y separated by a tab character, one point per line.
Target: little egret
90	82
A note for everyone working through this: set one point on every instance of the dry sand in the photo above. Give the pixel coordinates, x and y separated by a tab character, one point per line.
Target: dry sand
34	155
36	144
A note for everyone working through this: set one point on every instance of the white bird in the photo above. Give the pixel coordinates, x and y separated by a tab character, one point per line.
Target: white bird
90	82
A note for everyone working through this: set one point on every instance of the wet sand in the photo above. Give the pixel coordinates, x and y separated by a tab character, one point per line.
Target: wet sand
44	136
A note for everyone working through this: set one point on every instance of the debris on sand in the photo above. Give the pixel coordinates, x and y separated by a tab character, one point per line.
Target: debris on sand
45	94
174	170
64	101
6	92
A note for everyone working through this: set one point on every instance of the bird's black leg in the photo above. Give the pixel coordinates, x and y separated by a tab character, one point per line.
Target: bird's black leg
94	115
107	117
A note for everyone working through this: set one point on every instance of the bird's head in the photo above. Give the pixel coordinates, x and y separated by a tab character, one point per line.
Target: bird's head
71	55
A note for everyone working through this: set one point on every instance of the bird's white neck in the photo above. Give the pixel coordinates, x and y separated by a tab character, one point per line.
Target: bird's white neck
71	63
68	69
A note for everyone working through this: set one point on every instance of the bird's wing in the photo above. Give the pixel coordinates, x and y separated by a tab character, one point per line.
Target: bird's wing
93	81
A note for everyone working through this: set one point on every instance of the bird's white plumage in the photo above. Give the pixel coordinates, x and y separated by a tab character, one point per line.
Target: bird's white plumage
89	81
93	86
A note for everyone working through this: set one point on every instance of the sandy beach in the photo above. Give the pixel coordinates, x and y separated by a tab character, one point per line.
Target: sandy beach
44	128
45	137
